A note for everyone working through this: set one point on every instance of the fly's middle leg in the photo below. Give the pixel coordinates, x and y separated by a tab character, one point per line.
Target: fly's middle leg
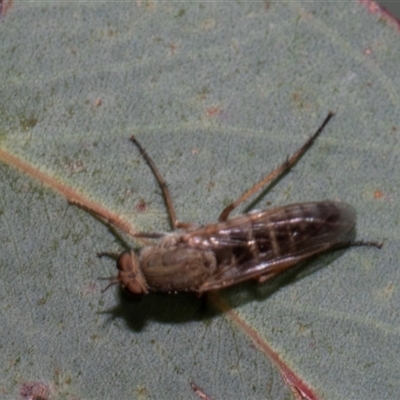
164	187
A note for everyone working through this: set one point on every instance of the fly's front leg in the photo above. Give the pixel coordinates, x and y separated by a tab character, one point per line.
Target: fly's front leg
164	187
113	221
113	280
276	173
107	217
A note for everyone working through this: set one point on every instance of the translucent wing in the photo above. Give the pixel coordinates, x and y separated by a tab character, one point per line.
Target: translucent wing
265	243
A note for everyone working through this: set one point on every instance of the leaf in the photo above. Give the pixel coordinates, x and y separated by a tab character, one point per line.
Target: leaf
219	94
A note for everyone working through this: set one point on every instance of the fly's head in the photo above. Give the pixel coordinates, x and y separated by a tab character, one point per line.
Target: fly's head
129	275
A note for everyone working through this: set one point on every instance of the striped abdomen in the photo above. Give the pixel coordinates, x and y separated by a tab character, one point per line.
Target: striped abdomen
285	231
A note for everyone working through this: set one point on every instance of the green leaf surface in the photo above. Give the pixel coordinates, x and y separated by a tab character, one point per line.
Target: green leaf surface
219	94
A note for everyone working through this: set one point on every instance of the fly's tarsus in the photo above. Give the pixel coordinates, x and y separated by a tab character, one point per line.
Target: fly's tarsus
378	245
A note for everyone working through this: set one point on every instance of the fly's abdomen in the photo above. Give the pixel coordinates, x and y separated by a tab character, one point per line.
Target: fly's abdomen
291	228
275	233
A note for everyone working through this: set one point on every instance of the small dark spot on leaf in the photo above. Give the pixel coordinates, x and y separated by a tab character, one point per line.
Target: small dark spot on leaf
213	111
76	166
296	96
41	301
28	122
34	391
142	392
204	92
141	206
209	24
173	47
181	12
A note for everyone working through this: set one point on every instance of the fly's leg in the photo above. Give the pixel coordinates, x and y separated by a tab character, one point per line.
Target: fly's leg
109	254
113	280
334	246
264	278
164	187
109	218
276	173
113	221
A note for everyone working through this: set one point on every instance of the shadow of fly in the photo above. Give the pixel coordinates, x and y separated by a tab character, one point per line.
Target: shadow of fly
258	245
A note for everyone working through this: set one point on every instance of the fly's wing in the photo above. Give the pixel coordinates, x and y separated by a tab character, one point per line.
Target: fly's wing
264	243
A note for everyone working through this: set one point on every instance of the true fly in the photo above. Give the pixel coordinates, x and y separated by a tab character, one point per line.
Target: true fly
258	245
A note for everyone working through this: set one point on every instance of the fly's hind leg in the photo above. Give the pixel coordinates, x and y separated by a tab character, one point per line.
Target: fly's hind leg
276	173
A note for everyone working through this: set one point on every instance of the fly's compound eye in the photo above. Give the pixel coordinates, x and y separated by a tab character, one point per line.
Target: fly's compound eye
124	262
129	274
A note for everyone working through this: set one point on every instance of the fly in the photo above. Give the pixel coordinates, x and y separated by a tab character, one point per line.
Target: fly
258	245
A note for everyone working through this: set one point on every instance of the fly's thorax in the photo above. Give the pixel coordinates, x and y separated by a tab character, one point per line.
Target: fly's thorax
176	267
169	240
129	275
